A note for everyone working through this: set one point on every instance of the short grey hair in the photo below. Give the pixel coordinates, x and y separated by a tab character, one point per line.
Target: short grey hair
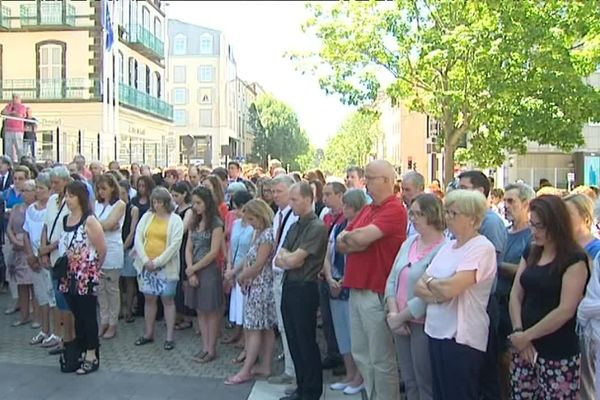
287	180
61	172
355	198
162	195
416	178
6	160
526	192
29	184
43	179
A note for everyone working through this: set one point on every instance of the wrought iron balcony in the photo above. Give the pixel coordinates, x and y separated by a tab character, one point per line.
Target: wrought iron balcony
146	42
50	13
49	89
143	101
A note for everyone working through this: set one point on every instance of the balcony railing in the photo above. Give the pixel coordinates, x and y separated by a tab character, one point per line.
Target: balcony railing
139	34
5	17
48	89
143	101
50	14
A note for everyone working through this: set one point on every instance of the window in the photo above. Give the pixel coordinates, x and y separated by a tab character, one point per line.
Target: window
206	117
146	18
141	77
51	70
179	74
121	67
205	73
132	72
205	96
148	80
179	44
180	96
158	85
180	117
157	28
206	44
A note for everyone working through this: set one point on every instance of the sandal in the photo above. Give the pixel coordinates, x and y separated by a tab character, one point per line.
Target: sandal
87	367
198	357
129	319
235	380
183	325
143	340
20	323
169	345
241	357
208	358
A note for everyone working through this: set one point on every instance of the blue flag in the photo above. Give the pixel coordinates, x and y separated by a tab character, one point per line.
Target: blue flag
109	39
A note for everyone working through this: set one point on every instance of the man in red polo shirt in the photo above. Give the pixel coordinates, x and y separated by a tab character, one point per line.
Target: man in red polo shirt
372	242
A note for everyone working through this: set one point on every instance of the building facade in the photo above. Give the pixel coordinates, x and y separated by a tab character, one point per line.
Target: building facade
103	103
408	139
204	89
548	162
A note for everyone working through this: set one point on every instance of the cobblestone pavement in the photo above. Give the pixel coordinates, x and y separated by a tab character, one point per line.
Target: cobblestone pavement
120	354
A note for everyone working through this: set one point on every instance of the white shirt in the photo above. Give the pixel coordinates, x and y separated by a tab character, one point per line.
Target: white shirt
113	239
34	224
51	215
279	217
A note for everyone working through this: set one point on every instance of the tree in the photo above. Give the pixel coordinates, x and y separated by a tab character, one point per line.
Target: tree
277	132
503	72
353	143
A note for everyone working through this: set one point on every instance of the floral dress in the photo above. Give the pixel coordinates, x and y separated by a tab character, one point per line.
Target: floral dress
260	299
84	266
18	269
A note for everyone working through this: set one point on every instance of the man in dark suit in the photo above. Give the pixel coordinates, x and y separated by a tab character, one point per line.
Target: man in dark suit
5	173
5	182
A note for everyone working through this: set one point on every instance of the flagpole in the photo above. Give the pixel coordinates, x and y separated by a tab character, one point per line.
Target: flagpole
116	83
104	78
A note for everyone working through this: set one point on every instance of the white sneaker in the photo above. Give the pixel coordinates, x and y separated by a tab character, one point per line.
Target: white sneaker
338	386
354	390
51	341
39	338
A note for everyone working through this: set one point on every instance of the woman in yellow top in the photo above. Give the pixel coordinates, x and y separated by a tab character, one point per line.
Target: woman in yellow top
158	238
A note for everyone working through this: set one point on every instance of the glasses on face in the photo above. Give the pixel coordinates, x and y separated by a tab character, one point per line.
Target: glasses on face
452	214
537	225
372	178
415	213
508	200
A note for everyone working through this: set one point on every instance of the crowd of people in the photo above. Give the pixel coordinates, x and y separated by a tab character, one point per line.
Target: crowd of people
473	292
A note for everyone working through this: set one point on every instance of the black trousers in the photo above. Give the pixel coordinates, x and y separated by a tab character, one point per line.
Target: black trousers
455	370
86	321
489	382
299	303
328	331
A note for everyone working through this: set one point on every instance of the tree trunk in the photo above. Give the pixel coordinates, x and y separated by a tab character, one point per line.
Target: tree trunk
449	149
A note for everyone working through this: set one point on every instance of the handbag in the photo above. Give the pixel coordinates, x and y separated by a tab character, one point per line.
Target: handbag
70	359
61	265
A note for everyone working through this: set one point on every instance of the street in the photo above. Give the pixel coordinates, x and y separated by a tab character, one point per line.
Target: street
127	372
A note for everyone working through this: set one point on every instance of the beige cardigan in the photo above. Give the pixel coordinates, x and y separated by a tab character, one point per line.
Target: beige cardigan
169	259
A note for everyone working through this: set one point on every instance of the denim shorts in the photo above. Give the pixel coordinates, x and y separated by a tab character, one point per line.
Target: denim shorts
61	302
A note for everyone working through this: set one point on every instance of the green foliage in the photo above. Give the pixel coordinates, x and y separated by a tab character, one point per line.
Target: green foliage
504	72
353	143
277	132
309	160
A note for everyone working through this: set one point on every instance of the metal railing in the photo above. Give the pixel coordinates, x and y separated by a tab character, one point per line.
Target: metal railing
135	98
50	14
48	89
139	34
5	17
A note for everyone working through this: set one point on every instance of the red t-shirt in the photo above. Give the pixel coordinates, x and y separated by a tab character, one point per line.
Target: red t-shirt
330	219
369	269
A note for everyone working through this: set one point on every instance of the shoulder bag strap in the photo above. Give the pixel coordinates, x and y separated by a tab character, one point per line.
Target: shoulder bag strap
56	219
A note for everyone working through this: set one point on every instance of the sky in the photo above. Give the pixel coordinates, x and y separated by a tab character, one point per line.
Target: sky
260	32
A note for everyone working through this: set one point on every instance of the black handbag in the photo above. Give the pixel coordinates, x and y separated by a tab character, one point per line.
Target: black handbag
61	266
71	358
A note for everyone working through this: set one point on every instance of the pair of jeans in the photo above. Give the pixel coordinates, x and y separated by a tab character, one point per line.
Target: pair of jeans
86	321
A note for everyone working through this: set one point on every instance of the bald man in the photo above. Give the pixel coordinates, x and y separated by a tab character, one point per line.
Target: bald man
371	242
